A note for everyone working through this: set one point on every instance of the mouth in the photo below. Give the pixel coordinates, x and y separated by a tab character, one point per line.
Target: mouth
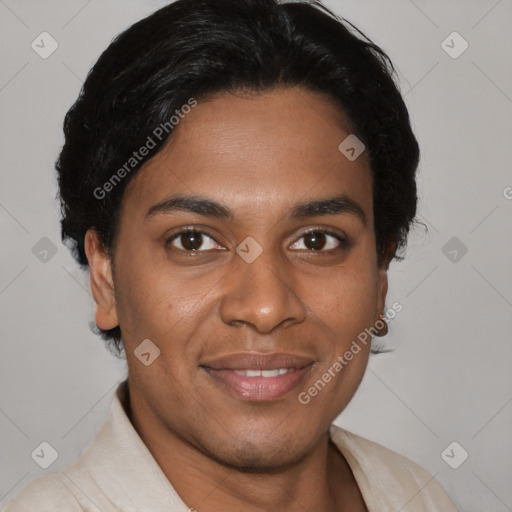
256	376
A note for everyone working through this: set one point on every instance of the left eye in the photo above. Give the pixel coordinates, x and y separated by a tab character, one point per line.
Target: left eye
193	240
317	240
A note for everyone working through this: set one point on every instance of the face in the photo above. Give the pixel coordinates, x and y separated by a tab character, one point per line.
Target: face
246	244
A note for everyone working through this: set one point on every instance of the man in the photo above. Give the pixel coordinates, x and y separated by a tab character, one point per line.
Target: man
238	175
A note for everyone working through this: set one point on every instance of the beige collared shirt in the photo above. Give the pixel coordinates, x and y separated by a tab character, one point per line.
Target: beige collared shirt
118	473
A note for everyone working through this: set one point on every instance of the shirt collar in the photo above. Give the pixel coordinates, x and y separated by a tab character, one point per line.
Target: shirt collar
118	449
122	467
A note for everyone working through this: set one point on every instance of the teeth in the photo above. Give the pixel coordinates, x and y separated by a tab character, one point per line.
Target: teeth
269	373
263	373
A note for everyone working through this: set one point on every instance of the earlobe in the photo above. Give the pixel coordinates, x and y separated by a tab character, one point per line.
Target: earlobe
102	283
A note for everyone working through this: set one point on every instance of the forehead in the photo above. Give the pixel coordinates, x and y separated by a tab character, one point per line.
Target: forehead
255	151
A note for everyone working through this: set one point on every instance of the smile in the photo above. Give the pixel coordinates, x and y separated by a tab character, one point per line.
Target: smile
264	373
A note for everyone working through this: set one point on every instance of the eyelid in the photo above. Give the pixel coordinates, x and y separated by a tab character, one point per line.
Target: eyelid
340	235
191	229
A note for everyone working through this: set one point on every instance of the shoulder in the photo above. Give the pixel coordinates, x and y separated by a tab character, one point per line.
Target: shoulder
46	494
390	478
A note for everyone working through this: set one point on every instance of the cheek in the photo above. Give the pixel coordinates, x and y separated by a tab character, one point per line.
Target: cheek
143	283
163	305
345	309
346	301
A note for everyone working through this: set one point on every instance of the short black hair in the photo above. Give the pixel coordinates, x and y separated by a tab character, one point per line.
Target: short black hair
190	49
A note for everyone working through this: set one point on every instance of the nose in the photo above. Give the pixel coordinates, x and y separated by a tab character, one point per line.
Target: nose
261	294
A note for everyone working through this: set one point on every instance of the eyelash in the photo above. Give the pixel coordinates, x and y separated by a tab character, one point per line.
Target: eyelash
344	243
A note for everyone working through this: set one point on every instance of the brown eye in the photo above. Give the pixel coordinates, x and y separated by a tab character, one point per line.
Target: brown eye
192	240
315	240
319	240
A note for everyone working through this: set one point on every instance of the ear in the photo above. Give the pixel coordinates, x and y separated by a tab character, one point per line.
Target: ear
102	283
387	255
382	292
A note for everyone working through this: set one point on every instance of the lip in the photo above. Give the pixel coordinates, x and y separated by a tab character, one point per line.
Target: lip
222	371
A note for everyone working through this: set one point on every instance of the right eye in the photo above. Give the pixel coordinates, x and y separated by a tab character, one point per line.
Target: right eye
192	241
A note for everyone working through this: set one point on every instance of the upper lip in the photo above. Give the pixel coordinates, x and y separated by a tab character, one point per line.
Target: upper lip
258	361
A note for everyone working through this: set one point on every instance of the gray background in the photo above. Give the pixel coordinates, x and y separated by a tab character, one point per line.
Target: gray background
449	378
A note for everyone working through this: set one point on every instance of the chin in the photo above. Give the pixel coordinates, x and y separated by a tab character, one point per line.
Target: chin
251	457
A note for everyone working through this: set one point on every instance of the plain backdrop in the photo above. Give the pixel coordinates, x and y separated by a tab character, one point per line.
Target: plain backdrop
449	377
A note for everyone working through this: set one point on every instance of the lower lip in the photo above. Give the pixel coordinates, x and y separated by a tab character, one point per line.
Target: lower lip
258	388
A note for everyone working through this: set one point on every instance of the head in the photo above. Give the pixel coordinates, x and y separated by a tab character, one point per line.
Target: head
203	182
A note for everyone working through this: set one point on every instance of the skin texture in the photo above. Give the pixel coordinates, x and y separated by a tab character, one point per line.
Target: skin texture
259	155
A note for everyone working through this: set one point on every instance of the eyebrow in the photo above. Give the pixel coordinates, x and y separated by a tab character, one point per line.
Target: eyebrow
336	205
194	204
330	206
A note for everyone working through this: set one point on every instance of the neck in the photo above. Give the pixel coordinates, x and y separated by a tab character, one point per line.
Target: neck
320	480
